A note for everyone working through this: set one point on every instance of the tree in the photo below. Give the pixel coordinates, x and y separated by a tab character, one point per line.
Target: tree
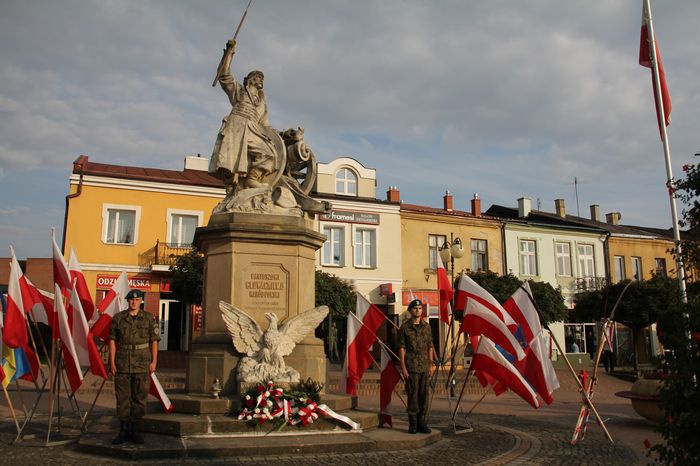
679	331
549	299
639	307
335	293
188	276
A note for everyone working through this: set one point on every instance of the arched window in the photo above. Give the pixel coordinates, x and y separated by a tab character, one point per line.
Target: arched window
346	182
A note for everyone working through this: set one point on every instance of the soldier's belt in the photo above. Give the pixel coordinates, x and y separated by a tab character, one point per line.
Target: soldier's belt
136	347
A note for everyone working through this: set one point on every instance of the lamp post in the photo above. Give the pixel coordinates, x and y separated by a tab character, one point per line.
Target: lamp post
448	252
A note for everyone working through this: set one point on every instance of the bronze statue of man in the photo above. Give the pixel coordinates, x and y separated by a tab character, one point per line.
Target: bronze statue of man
244	154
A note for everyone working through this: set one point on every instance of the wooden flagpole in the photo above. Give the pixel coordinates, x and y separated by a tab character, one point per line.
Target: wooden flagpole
9	405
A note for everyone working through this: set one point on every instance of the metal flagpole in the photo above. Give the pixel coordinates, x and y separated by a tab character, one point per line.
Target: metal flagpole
667	151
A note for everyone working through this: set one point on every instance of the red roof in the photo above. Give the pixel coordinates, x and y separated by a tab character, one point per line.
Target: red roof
158	175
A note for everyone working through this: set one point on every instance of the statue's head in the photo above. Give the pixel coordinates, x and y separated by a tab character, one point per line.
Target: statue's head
255	75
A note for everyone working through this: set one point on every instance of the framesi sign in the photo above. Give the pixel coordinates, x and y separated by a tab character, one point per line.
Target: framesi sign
106	281
351	216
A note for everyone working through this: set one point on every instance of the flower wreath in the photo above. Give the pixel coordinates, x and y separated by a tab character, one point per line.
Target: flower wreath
298	407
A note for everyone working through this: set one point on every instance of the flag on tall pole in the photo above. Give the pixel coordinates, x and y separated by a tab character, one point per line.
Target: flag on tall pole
61	275
361	335
112	303
649	56
388	378
469	290
70	355
77	276
479	320
88	354
15	331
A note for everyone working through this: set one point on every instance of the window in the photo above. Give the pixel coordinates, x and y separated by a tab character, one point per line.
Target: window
120	224
182	229
637	268
660	267
365	244
586	261
620	273
528	257
563	253
346	182
479	255
332	253
435	242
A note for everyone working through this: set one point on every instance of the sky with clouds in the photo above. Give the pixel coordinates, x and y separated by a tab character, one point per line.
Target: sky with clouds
503	98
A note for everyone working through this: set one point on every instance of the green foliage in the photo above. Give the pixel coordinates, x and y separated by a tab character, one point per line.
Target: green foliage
188	275
550	301
688	190
335	293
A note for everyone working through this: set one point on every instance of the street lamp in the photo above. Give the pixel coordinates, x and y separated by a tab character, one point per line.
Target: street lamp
448	252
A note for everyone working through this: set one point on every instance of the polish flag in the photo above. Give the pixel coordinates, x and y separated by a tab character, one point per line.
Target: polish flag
445	291
156	389
70	355
61	275
15	332
645	60
388	379
112	303
480	320
484	379
37	303
469	290
361	334
85	346
76	274
489	360
537	367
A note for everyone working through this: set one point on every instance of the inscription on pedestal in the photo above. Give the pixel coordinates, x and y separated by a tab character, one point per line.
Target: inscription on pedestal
265	289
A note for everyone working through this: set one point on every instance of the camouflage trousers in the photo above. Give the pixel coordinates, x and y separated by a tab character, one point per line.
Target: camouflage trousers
417	393
131	391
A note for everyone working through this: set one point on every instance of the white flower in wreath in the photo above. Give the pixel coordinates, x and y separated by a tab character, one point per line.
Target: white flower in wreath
269	402
257	411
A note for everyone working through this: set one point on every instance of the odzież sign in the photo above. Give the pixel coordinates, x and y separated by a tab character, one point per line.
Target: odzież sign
106	281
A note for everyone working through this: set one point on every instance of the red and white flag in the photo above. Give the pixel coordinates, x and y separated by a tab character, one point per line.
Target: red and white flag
536	367
88	354
156	389
469	290
70	355
388	379
489	360
480	320
37	303
645	59
445	291
113	302
61	275
15	332
76	275
361	334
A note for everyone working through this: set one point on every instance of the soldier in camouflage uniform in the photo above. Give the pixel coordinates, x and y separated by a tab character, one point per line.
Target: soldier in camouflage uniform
417	354
133	352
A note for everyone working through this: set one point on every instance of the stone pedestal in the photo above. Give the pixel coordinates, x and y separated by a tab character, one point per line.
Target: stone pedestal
258	263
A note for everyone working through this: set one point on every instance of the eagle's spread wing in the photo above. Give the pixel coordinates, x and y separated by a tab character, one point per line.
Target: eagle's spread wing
244	330
295	329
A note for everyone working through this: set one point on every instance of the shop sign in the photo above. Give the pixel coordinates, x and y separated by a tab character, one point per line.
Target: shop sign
431	297
351	216
197	317
106	281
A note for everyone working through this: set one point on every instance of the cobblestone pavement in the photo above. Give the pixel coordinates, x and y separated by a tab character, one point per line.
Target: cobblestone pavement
497	439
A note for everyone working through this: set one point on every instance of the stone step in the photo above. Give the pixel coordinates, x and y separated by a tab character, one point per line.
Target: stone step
165	447
188	425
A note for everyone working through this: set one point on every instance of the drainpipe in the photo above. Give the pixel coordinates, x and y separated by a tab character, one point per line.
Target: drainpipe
81	162
606	257
504	252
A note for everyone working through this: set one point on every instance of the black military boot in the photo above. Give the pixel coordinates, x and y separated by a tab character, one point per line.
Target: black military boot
136	435
123	434
412	425
422	425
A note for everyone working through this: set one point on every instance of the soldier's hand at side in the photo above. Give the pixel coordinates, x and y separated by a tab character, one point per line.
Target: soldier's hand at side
113	369
431	370
405	373
152	367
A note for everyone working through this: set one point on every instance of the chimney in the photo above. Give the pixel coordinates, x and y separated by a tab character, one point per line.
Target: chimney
595	212
560	208
524	206
393	195
196	162
447	201
613	218
476	205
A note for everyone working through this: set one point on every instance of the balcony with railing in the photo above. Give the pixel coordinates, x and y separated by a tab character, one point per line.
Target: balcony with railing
166	254
590	283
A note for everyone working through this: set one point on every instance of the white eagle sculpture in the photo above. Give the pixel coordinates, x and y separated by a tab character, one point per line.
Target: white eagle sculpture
264	351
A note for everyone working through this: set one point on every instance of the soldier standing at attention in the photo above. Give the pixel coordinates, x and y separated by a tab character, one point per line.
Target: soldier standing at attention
417	354
133	352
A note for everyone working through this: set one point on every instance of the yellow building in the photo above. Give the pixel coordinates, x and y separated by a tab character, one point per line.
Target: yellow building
139	220
424	230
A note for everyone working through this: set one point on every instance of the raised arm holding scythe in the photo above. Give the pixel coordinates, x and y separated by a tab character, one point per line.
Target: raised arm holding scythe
230	49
